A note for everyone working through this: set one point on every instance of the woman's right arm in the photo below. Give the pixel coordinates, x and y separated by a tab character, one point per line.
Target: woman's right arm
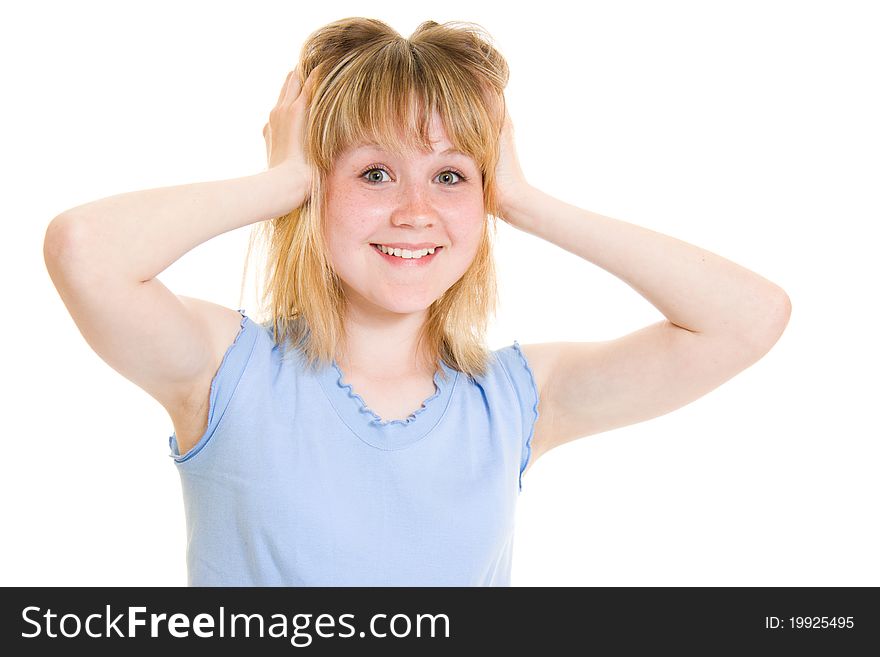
104	256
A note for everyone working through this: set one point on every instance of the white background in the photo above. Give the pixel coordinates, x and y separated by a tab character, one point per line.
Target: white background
747	128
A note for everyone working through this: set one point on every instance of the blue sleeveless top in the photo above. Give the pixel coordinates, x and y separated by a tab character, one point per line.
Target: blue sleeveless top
296	482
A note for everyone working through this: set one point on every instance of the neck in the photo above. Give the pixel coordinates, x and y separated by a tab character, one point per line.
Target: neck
383	346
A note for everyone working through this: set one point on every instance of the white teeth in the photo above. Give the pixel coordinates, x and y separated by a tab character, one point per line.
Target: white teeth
406	253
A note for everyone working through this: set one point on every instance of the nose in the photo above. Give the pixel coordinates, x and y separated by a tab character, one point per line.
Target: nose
414	206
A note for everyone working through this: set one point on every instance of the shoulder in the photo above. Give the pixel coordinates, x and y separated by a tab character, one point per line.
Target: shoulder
217	327
220	324
540	359
222	327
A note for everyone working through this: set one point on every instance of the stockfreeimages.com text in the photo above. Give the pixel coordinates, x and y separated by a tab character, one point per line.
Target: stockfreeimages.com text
128	624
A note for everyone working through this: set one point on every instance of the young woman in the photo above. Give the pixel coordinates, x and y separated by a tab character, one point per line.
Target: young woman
362	433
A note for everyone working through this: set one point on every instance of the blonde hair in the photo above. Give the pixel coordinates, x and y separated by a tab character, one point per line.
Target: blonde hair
373	85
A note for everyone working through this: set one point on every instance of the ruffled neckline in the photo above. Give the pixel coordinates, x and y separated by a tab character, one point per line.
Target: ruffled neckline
366	424
373	418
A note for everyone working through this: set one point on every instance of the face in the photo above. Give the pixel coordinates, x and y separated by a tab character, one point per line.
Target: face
410	202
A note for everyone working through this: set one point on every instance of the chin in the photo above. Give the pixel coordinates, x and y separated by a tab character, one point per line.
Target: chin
404	307
401	303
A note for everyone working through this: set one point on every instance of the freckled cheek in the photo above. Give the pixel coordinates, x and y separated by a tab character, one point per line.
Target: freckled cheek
349	226
466	228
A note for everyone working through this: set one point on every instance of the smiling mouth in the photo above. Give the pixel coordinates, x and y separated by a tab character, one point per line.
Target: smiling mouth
413	258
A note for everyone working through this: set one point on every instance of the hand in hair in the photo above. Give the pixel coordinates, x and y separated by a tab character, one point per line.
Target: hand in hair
284	133
510	180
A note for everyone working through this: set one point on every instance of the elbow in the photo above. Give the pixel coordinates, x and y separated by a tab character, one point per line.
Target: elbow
772	322
60	244
780	312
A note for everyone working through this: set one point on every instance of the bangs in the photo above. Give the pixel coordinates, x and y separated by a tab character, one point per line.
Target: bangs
387	94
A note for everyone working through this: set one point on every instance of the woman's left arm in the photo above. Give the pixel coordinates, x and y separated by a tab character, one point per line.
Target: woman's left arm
720	317
695	289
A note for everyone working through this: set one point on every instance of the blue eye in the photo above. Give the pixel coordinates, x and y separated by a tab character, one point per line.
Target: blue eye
376	167
454	173
370	171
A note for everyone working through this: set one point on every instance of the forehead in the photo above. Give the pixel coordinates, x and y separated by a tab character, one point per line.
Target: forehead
370	146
